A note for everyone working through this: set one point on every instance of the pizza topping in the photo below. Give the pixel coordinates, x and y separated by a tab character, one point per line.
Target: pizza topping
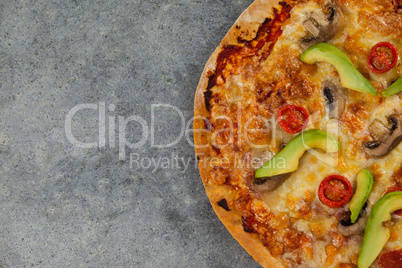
395	88
322	26
270	183
335	102
365	182
388	141
376	234
395	189
347	228
292	118
382	57
349	75
378	130
287	160
391	259
335	191
346	220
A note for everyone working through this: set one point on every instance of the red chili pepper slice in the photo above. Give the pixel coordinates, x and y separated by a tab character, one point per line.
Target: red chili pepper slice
382	57
335	191
292	118
395	189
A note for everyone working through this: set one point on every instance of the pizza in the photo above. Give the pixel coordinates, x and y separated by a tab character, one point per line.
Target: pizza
298	132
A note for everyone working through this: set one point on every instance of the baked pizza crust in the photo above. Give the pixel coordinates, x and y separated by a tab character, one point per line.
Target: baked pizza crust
245	27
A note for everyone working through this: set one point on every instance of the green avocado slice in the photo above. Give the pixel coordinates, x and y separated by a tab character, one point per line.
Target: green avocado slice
376	234
349	75
287	160
364	186
395	88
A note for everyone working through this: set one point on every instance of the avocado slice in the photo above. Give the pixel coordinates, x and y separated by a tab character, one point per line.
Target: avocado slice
376	234
287	160
364	186
349	75
395	88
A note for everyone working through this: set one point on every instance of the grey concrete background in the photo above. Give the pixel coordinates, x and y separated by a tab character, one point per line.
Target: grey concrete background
65	206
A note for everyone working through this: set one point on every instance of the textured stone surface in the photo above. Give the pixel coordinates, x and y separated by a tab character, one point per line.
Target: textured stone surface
62	205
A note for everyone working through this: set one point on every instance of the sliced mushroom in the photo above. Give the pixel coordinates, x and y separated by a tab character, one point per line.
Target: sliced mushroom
386	138
378	130
322	26
335	99
270	183
347	228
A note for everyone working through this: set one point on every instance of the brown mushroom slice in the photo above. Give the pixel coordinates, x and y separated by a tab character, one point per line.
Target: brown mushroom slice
322	27
335	100
389	140
312	27
378	130
270	183
347	228
352	229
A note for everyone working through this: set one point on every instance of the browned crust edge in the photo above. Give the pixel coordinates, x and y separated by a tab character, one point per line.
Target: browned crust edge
245	27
